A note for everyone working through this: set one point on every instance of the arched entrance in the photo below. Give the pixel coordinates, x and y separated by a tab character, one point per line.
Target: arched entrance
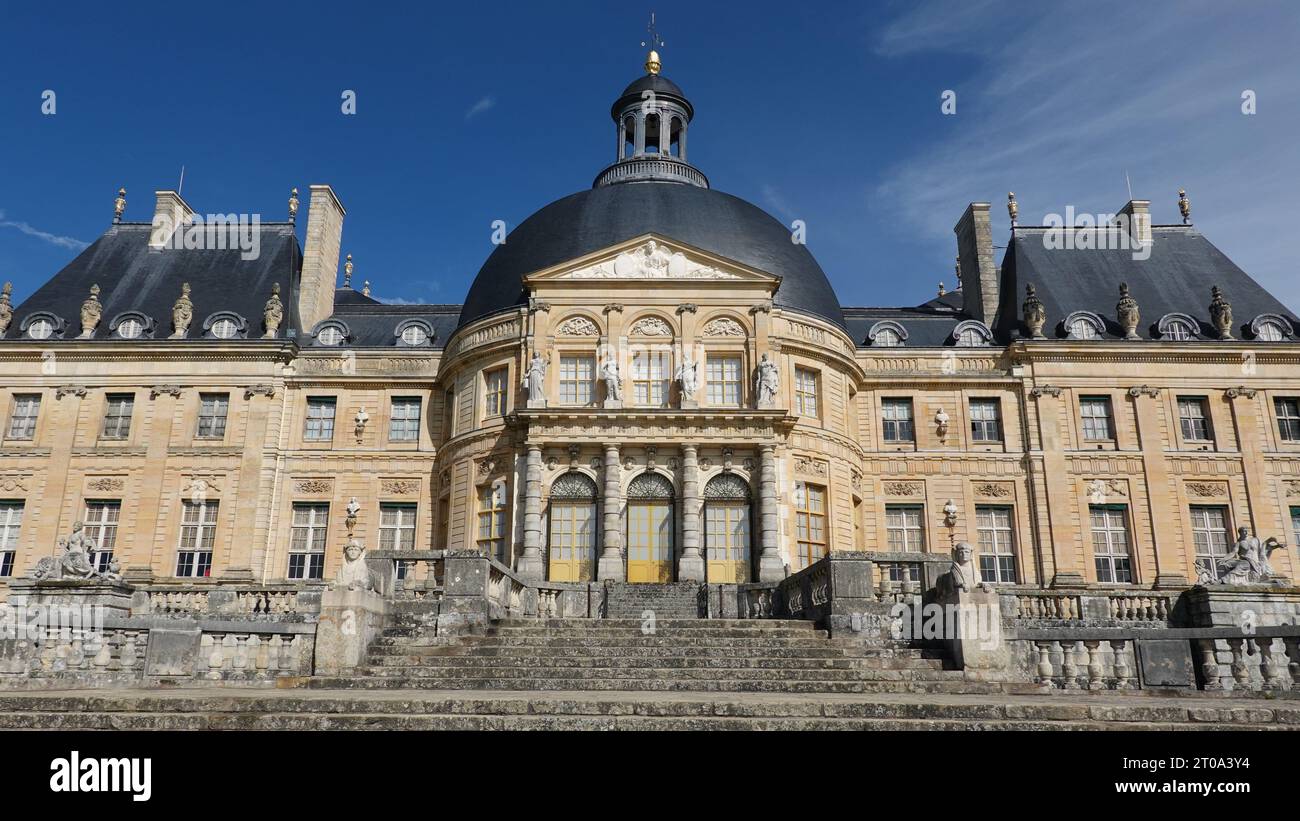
650	529
727	529
573	529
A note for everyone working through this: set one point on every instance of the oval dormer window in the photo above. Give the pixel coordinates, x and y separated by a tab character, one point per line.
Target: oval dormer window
887	338
41	329
1178	330
130	328
225	329
1270	331
331	335
1083	328
414	335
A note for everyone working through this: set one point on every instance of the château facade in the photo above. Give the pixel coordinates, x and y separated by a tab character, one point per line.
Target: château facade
649	381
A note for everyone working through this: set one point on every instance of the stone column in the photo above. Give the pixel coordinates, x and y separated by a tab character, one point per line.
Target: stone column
611	567
690	568
529	565
770	566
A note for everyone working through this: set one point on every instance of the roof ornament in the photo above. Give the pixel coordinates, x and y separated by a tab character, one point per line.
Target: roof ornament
1013	208
293	207
1185	206
942	289
1126	310
182	313
119	205
652	63
1220	313
91	311
273	313
1034	313
6	312
347	272
365	289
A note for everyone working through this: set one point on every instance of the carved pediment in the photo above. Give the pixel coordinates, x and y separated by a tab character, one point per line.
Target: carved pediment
650	257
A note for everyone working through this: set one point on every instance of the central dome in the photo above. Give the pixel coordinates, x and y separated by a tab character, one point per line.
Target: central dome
710	220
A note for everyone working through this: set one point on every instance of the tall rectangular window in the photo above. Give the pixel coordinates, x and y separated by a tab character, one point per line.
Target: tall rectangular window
577	378
1194	419
903	528
1209	533
117	415
22	418
1098	426
213	408
985	424
1110	544
320	419
11	524
307	541
494	392
1295	524
492	521
198	535
996	545
805	392
723	374
897	421
404	419
810	524
1288	419
651	372
396	527
100	522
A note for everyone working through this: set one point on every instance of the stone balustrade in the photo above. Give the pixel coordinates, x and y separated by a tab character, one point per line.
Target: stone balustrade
1093	607
259	602
409	574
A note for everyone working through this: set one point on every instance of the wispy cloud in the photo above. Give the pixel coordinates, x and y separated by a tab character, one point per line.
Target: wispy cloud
1059	113
54	239
776	201
483	105
396	300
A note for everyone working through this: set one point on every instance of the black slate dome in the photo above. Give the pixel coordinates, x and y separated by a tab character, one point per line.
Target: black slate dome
710	220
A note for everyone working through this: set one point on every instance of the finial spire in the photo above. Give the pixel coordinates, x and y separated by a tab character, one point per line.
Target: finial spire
1013	208
655	42
347	272
1185	206
365	289
942	289
293	207
119	205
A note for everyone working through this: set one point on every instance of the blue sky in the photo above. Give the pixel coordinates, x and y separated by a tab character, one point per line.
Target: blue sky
829	113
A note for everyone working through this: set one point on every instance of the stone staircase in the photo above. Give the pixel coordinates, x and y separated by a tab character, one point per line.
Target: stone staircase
679	600
676	655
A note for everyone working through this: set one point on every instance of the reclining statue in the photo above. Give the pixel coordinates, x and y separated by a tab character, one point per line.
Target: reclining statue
77	560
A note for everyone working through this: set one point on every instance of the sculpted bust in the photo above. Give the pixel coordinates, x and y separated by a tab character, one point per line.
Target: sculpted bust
963	575
355	574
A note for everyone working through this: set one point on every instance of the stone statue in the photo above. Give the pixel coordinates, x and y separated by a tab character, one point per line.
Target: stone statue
613	382
769	381
361	420
688	378
77	560
1247	564
354	507
91	311
535	380
1126	310
182	313
355	574
273	313
1035	313
6	311
963	575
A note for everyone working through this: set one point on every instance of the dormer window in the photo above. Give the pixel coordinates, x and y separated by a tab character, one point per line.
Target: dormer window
1177	327
1083	325
131	325
972	334
331	333
1270	328
888	338
1179	331
887	334
42	325
130	329
40	329
414	333
225	329
225	325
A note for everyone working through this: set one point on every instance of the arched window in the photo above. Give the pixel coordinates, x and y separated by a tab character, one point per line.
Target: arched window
414	333
1177	327
972	334
629	136
225	325
887	334
573	528
652	133
331	333
42	326
727	530
650	529
1083	325
1270	328
131	325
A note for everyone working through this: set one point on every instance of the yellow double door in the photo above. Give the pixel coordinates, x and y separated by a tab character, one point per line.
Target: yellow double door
650	529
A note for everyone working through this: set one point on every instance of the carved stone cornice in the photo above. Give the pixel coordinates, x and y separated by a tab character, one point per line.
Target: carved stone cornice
613	308
1240	391
261	389
538	305
76	390
1046	390
688	308
764	307
159	390
1143	390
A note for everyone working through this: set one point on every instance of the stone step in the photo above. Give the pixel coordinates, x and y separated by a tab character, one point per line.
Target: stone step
660	662
690	624
636	676
468	649
637	684
357	709
632	633
614	643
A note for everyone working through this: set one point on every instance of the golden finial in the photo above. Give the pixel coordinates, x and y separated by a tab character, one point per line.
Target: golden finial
1185	207
293	207
347	272
119	205
652	63
365	289
1013	208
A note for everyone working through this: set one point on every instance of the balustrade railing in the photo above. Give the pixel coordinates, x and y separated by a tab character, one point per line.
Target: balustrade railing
260	602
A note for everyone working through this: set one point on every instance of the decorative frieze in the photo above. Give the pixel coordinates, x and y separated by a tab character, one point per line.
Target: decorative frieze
994	490
577	326
12	484
651	326
903	488
314	486
1207	490
723	326
261	389
1099	490
399	487
158	390
107	484
811	467
78	391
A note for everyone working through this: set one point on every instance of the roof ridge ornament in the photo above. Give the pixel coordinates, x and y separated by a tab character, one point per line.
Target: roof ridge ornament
347	272
182	313
91	311
1013	208
1185	206
1126	310
119	205
293	207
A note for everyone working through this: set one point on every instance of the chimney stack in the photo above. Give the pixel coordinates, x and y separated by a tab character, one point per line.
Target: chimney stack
979	274
1137	215
169	214
320	257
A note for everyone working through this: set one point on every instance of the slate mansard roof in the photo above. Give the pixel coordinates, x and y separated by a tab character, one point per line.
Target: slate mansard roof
134	278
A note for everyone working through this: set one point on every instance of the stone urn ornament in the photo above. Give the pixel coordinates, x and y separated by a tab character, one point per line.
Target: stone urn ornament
6	310
1034	312
182	313
1220	313
273	313
1126	310
91	312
